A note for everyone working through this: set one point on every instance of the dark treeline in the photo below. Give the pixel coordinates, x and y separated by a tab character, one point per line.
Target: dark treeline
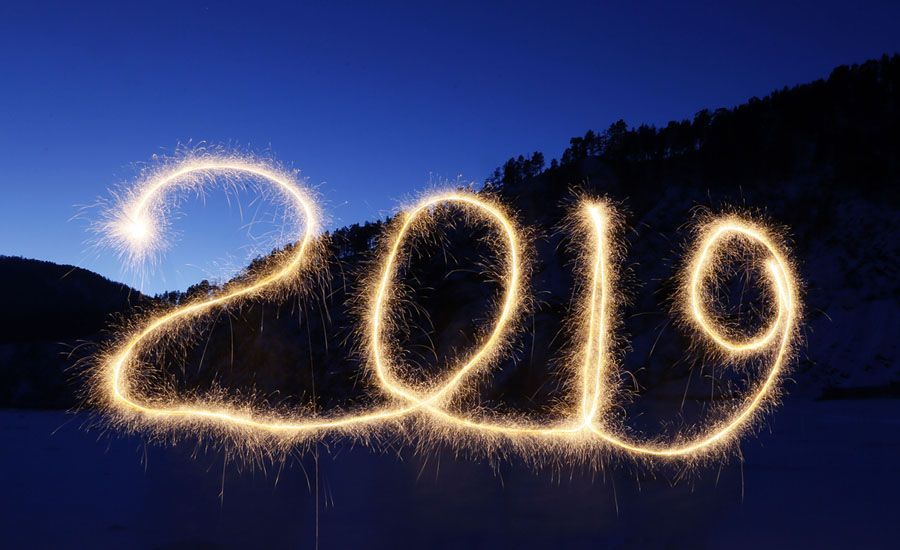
821	157
846	124
344	243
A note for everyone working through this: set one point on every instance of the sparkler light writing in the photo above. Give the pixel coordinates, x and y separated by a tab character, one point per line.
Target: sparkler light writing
588	422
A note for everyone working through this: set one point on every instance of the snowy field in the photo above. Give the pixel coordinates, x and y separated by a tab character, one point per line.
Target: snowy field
822	475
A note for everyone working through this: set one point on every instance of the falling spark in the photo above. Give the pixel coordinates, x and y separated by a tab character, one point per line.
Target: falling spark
588	424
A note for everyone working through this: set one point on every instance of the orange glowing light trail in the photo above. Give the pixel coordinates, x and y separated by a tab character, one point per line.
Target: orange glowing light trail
588	424
597	368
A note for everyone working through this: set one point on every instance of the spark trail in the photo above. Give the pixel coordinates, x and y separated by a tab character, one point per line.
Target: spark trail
588	424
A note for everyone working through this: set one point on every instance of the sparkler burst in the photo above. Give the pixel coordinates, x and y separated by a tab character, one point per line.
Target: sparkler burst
588	424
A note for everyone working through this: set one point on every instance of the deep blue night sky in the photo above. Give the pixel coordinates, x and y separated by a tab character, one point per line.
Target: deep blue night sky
373	104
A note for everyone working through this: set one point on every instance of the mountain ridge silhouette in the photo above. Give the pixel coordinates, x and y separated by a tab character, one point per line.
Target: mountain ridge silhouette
821	158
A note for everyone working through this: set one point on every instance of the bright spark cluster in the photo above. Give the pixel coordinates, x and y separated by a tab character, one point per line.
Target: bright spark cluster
586	422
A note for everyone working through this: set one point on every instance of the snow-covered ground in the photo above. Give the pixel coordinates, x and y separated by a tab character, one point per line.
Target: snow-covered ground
825	474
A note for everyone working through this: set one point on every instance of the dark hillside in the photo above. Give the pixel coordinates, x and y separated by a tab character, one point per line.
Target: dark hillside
817	158
52	315
842	129
56	301
820	158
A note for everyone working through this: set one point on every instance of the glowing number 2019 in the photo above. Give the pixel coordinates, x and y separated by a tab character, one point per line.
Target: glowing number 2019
587	423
